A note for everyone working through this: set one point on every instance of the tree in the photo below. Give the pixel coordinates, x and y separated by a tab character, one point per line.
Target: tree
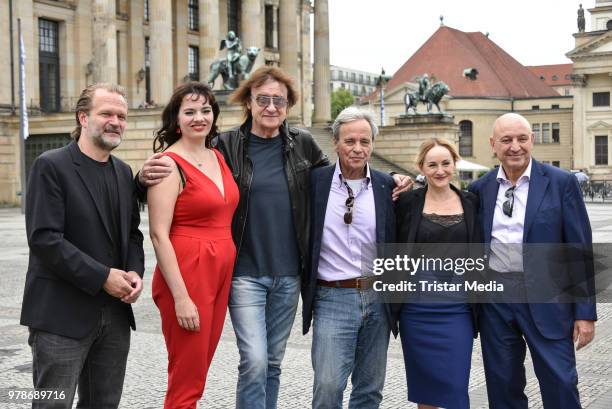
340	99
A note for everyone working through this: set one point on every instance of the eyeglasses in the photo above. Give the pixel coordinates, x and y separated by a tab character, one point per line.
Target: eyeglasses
350	201
264	101
509	203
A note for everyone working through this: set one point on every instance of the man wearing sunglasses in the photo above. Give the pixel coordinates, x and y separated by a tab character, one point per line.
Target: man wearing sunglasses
524	204
352	209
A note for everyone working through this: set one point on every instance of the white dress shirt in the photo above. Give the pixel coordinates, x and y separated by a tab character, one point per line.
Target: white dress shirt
507	231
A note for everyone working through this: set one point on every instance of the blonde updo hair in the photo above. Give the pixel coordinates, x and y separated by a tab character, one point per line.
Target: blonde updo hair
430	143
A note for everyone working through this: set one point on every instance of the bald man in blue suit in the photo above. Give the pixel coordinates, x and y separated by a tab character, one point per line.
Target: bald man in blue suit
521	203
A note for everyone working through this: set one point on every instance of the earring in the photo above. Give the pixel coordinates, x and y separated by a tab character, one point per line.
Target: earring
178	131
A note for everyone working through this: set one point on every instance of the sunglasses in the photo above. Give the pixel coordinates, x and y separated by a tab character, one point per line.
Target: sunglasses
264	101
508	205
350	201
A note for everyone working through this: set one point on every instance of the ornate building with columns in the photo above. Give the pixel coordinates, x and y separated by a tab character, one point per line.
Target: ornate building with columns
592	76
148	46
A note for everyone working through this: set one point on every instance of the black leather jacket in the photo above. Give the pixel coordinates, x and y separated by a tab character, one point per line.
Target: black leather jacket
301	154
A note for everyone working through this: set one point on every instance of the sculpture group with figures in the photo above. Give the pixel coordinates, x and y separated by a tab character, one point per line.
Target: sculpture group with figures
235	66
427	94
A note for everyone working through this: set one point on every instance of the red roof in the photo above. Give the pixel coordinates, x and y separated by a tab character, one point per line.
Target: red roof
448	52
553	75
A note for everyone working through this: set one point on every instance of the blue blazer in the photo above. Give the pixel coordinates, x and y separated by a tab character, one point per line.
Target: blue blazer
320	183
555	214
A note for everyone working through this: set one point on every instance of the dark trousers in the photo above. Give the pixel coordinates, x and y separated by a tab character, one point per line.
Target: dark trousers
505	332
96	363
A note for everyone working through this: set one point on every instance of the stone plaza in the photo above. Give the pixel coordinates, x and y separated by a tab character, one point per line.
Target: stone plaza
145	381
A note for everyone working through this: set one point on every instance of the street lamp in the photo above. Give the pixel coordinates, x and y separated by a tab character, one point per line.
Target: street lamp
381	82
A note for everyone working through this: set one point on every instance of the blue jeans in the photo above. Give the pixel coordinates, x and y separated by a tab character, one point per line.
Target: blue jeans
96	363
262	311
350	335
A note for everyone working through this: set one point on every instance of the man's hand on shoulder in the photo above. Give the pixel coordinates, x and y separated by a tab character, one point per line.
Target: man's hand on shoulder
584	332
403	183
118	283
135	281
154	170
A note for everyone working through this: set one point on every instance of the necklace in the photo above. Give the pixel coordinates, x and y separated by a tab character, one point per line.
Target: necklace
194	160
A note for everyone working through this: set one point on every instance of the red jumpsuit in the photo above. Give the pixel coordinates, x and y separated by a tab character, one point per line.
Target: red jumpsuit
202	239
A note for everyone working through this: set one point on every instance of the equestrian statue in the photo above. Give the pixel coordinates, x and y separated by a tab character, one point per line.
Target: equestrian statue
236	66
427	94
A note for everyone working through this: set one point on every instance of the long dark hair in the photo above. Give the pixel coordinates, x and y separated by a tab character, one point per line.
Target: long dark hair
167	135
242	95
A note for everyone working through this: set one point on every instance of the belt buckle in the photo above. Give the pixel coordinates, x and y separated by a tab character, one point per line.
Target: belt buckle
360	280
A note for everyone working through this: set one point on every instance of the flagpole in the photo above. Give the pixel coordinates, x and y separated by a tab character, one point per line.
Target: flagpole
22	117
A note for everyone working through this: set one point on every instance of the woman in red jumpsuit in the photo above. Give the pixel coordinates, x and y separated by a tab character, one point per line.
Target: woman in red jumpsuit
190	215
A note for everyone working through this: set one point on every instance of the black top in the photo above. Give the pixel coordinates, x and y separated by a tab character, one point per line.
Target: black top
270	246
107	197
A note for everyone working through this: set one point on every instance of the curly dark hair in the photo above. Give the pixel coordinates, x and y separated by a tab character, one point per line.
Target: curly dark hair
167	135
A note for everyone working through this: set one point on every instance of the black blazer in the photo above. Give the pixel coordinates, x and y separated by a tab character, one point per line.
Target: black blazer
409	212
70	243
321	180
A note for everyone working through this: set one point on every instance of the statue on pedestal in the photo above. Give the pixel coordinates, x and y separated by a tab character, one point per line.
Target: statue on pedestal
427	94
235	66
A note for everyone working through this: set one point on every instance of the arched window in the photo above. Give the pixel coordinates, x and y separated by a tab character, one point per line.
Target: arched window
465	138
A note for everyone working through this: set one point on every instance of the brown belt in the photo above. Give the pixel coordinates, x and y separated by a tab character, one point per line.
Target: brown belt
361	283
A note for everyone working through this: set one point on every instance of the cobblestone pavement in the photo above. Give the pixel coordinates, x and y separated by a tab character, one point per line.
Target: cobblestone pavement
146	373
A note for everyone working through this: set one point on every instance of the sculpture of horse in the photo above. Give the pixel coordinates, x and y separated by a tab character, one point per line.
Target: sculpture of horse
433	95
241	69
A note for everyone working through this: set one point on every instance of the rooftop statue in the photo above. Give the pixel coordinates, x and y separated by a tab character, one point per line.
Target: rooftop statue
581	21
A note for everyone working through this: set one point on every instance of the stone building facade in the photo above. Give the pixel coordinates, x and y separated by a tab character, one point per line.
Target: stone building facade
592	74
148	46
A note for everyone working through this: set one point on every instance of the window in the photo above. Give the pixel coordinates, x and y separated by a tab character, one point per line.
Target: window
269	26
554	106
555	132
545	133
353	77
555	78
233	16
601	149
48	65
601	99
194	15
535	107
194	63
556	163
465	138
146	10
343	85
567	91
536	133
361	78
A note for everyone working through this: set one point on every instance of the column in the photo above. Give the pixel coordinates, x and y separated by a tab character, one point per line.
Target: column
162	72
288	46
181	60
252	28
209	36
136	55
322	96
104	41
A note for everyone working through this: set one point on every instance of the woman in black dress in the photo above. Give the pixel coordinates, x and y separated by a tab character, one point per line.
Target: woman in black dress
437	336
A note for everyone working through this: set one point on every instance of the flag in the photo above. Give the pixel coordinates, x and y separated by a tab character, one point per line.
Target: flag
23	114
